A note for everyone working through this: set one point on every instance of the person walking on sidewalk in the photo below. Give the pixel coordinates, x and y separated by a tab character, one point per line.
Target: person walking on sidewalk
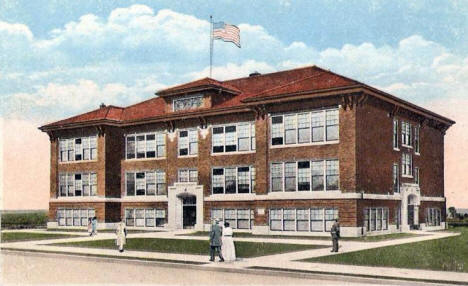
335	234
215	241
228	249
94	226
121	233
90	227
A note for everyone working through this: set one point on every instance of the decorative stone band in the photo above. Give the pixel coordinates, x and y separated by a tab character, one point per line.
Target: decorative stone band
84	200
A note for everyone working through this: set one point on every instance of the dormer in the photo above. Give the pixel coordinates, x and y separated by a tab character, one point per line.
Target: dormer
200	94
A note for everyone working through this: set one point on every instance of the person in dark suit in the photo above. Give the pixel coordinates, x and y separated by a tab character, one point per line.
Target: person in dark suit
335	234
215	241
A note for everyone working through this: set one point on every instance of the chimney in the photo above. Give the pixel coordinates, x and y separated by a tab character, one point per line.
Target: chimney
102	105
255	73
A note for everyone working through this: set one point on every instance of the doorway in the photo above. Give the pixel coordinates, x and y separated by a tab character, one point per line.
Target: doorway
189	211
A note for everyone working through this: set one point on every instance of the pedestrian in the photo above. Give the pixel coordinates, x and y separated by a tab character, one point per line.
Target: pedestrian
215	241
335	234
121	233
90	227
94	226
227	244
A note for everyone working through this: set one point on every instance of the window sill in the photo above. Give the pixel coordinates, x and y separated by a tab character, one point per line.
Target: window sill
396	149
144	159
304	144
417	153
187	156
234	153
407	146
80	161
407	176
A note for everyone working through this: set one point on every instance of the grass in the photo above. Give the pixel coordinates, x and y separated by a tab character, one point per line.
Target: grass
100	230
24	236
447	254
374	238
26	219
189	246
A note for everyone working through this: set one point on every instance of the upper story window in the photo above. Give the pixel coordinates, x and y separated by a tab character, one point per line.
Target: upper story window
233	138
146	183
406	164
187	175
305	127
233	180
78	149
406	134
189	102
146	145
322	175
416	139
188	142
77	184
395	133
416	175
396	178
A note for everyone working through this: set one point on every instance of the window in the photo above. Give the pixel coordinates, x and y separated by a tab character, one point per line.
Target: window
188	142
302	219
406	164
237	218
74	217
405	134
188	175
233	180
433	217
395	133
77	184
416	175
307	127
376	219
186	103
78	149
233	138
305	176
146	145
149	217
396	178
416	139
146	183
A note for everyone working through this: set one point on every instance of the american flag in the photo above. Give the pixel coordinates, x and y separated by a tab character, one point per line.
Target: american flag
226	32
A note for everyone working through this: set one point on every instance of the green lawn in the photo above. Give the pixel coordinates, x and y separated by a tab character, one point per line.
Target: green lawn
23	236
447	254
363	239
189	246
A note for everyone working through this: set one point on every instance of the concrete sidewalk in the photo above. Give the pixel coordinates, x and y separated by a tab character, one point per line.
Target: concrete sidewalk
286	262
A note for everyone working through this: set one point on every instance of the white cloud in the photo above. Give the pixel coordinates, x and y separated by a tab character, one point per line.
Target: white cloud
232	70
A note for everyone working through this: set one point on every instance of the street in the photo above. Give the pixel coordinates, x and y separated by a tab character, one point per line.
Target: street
22	268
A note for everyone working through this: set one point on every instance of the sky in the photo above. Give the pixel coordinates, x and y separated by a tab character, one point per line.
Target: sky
62	58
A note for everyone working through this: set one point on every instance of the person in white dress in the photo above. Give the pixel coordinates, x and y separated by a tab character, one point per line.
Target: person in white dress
227	248
121	233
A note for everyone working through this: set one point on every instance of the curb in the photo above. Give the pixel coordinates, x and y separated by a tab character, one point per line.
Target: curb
254	270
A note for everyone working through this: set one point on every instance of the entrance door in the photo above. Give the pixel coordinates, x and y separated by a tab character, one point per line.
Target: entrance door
189	211
411	216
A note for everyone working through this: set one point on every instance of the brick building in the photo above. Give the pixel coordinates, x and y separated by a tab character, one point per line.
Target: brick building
285	152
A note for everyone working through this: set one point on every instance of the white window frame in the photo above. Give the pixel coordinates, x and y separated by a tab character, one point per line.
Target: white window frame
71	184
406	165
251	137
417	140
156	182
282	128
326	223
251	179
396	177
90	213
156	145
324	175
191	152
433	217
417	179
384	223
237	219
68	145
158	213
406	134
395	137
189	171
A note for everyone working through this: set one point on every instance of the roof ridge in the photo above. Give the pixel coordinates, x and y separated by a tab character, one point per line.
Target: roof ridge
290	83
271	73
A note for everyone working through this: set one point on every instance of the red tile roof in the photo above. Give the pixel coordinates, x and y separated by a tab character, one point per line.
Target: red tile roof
242	90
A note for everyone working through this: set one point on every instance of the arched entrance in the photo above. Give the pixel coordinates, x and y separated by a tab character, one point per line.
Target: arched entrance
185	206
410	201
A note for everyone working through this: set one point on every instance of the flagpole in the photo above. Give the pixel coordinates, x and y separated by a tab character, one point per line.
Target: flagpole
211	45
